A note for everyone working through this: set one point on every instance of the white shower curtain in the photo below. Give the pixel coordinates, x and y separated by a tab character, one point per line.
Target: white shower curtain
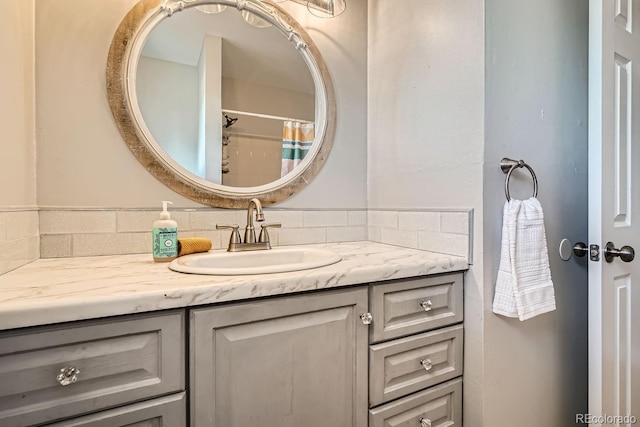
297	138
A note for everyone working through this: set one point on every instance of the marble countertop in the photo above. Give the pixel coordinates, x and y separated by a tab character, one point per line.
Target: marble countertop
66	289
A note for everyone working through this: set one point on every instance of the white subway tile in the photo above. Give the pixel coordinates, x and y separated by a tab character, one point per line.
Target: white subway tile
387	219
445	243
140	221
207	220
55	245
325	218
33	248
374	234
346	234
300	236
428	221
289	219
111	244
20	225
357	217
71	222
397	237
455	222
17	253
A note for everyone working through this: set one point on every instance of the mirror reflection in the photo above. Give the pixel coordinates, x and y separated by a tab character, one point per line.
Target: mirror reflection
231	103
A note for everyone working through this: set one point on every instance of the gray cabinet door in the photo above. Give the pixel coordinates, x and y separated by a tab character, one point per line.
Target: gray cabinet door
168	411
285	362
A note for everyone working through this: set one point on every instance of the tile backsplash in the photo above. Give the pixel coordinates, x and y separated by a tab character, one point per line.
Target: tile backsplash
66	233
19	241
77	232
443	231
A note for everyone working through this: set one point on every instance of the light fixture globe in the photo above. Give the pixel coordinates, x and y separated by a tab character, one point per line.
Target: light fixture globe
255	20
211	8
326	8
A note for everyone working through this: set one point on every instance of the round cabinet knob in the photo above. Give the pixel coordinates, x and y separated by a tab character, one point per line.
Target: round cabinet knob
68	375
424	422
426	364
366	318
626	253
426	305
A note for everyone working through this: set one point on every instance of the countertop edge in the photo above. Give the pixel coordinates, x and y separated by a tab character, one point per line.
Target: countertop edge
139	287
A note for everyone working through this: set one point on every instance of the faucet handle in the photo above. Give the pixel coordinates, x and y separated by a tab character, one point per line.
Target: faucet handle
264	235
235	234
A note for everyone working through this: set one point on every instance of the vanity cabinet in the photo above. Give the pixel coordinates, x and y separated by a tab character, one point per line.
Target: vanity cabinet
286	362
379	355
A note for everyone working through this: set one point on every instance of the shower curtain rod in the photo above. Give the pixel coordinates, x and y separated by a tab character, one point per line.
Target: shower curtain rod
253	135
264	116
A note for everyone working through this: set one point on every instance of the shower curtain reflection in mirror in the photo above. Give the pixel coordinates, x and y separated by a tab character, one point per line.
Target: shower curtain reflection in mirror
297	138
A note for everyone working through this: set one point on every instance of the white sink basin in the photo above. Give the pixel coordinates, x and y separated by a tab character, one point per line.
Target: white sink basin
276	260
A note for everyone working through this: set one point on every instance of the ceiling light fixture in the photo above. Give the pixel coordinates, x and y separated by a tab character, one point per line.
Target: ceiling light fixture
324	8
250	18
320	8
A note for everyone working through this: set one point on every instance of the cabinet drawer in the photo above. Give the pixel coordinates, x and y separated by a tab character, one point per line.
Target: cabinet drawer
406	365
439	406
119	361
408	306
168	411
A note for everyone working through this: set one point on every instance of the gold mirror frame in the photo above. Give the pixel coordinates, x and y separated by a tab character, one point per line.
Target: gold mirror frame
121	68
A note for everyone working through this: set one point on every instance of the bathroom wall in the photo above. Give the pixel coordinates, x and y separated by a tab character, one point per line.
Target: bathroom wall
19	243
426	102
82	160
438	127
536	109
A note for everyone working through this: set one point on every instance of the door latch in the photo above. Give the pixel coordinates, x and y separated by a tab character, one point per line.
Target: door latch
580	249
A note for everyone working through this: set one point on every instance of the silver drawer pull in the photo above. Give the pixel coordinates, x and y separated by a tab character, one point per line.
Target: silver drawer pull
68	375
425	422
426	305
426	364
366	318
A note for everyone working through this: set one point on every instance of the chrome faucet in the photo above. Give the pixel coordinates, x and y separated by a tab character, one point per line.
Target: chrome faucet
250	244
250	232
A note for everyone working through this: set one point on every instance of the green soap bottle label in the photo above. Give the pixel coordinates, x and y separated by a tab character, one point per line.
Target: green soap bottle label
165	242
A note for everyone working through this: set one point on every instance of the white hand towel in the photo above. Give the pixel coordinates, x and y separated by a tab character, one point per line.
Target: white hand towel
523	288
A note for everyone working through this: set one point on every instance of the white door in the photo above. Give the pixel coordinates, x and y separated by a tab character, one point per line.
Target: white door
614	208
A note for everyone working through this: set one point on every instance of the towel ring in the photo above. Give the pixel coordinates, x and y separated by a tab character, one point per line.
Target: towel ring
508	166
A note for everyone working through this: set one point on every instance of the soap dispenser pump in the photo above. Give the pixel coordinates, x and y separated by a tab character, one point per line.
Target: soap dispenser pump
165	236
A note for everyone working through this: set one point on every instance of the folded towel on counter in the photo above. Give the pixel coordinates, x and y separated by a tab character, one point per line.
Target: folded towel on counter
523	288
192	245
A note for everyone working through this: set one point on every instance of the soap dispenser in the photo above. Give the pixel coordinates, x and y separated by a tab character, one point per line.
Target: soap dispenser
165	236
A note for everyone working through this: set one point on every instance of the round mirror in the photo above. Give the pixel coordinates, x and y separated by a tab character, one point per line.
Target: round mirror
221	100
